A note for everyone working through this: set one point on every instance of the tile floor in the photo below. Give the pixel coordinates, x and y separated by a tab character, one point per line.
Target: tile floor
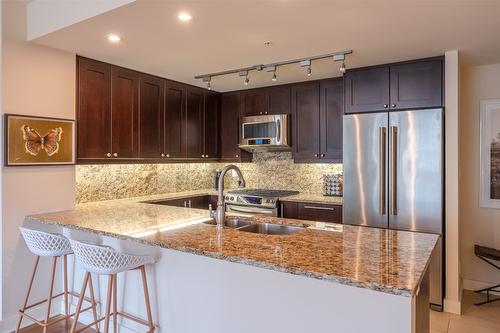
474	319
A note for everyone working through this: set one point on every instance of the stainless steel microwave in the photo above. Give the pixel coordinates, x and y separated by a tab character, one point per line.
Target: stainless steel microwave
265	133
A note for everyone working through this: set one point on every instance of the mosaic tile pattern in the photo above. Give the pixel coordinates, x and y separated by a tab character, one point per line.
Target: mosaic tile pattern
268	171
390	261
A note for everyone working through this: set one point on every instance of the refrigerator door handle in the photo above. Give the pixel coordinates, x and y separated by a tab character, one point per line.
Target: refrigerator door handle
382	169
394	171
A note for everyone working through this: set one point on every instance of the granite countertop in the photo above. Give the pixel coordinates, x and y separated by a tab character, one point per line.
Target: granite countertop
386	260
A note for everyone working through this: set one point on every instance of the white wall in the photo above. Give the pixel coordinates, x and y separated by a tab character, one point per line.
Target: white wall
40	81
479	225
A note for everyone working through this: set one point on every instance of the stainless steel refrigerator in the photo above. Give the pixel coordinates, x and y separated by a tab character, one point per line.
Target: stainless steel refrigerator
394	176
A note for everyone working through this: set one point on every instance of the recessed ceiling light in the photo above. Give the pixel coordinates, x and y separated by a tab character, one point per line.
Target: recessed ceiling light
184	16
114	38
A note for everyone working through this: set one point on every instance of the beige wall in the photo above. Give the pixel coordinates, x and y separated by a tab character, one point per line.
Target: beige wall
37	81
479	225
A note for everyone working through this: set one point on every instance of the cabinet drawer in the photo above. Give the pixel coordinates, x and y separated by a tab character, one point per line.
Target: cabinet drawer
319	212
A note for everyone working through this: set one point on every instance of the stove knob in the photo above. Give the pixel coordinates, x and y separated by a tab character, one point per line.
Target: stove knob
226	198
272	201
232	198
267	200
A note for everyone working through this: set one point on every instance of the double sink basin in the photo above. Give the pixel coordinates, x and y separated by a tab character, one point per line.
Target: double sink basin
258	228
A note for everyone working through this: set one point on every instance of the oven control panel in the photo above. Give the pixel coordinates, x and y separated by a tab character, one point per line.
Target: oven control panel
250	200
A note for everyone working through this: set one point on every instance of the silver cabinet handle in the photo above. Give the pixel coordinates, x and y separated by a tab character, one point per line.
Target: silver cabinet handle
185	204
393	105
394	170
316	155
322	155
108	155
115	154
319	207
162	155
249	210
189	203
386	106
382	168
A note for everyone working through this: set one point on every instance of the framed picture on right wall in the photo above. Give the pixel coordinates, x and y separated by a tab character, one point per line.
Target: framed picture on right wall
490	153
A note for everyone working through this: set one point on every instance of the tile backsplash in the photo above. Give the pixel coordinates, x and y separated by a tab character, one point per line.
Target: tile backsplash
268	170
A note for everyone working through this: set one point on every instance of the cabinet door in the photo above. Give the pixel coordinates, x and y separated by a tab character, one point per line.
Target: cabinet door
194	123
94	109
124	113
254	102
319	212
278	100
416	85
289	210
151	117
175	105
366	90
305	120
229	129
212	109
331	113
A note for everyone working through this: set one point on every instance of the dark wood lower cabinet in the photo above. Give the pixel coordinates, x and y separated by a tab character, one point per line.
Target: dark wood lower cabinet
312	211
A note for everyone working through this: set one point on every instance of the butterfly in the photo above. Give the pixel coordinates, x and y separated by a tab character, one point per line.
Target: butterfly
34	142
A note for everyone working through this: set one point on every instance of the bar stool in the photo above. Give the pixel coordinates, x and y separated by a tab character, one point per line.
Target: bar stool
44	244
105	260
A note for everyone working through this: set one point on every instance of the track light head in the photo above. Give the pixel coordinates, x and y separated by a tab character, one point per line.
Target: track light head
342	68
209	87
247	81
309	71
274	78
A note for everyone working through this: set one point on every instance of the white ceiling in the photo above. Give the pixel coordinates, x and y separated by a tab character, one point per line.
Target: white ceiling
231	34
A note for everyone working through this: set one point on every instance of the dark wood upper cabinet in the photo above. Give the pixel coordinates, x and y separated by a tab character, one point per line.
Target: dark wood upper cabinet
194	123
409	85
94	109
254	102
331	113
212	111
229	128
124	113
278	100
416	85
367	90
175	105
151	117
305	121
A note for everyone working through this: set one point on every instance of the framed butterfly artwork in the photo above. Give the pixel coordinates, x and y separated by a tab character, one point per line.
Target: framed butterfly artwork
34	140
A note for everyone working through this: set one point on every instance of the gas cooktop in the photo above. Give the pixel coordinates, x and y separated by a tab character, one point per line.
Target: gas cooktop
263	192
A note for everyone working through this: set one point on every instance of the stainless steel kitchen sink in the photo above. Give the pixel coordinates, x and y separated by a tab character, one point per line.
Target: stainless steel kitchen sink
232	222
271	229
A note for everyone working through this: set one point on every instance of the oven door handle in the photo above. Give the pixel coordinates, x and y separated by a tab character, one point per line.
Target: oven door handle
249	210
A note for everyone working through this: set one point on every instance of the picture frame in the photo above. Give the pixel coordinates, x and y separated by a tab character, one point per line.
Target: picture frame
489	153
34	140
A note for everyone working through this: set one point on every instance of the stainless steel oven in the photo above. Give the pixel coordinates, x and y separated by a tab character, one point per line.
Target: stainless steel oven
265	133
251	210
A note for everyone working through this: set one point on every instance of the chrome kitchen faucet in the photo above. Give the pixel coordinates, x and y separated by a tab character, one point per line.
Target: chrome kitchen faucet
220	213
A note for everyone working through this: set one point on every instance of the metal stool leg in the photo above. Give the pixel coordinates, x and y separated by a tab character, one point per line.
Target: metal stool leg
80	301
28	291
146	298
49	298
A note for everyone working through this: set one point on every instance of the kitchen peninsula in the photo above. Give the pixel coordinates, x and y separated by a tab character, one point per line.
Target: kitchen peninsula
208	280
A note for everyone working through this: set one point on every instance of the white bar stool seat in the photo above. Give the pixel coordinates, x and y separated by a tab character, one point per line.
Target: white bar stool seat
105	260
44	244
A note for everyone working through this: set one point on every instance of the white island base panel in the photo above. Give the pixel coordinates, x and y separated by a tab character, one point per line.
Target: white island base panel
197	294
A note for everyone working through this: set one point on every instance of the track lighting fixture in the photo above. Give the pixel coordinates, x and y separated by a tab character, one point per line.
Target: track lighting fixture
304	62
207	79
342	68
